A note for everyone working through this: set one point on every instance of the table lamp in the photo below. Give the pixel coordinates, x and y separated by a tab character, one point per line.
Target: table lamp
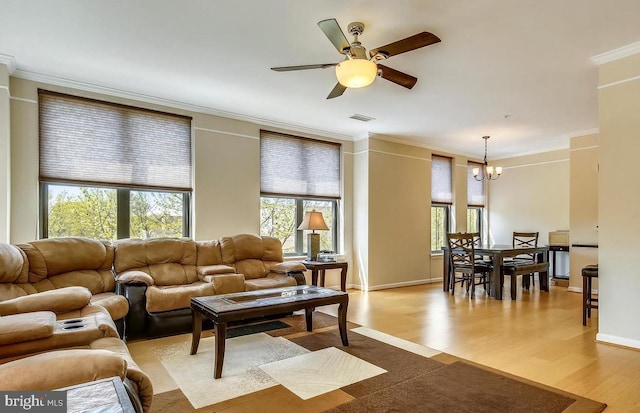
313	221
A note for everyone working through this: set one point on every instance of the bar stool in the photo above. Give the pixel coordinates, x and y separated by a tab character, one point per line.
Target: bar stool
588	301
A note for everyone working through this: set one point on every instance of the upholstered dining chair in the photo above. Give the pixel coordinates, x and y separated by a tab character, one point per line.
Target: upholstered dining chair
464	267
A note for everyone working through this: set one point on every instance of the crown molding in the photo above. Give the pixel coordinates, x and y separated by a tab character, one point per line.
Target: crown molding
9	61
175	104
585	132
616	54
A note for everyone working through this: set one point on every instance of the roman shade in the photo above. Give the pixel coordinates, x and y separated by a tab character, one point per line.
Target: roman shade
475	188
99	143
298	167
441	180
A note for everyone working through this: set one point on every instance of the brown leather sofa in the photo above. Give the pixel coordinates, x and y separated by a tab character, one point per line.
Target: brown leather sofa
37	331
159	276
50	264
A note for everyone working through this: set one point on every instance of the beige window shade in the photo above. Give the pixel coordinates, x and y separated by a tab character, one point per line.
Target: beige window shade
93	142
475	188
441	180
298	167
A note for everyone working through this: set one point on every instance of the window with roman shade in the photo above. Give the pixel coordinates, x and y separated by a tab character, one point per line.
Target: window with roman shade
90	141
441	180
111	171
298	175
298	167
441	200
475	188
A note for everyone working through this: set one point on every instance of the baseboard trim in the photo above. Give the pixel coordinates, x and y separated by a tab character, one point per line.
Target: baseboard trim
395	285
618	341
579	290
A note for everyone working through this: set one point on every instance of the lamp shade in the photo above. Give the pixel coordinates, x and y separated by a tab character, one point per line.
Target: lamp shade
313	220
356	73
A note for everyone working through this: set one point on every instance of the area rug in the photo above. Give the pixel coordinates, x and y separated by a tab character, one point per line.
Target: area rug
290	370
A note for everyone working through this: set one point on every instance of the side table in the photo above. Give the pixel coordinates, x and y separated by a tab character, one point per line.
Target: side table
319	267
100	396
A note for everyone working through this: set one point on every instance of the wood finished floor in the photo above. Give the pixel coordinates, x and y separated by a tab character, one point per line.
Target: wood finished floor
539	337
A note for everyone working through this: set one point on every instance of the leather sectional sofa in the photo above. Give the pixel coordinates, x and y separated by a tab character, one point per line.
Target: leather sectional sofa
60	300
159	276
43	333
146	285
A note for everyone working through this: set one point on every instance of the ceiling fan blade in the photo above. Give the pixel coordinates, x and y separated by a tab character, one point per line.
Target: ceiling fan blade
397	77
406	45
303	67
338	90
332	30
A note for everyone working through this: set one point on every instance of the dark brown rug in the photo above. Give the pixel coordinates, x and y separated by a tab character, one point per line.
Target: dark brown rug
413	383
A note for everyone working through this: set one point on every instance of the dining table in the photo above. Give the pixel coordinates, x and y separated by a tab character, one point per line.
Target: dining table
496	254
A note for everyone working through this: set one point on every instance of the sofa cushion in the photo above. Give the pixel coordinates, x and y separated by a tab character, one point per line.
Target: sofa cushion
169	261
26	327
14	267
116	305
270	281
59	301
226	283
54	256
251	268
66	334
215	269
174	297
49	371
209	253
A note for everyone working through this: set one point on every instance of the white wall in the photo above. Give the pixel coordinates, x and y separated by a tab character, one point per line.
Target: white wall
619	202
531	195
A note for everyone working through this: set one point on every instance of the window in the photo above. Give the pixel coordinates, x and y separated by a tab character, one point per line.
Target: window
441	200
474	220
110	171
298	175
439	227
475	200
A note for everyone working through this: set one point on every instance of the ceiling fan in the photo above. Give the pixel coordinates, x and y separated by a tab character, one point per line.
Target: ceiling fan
358	69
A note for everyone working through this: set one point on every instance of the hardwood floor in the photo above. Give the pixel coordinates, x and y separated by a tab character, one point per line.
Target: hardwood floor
540	336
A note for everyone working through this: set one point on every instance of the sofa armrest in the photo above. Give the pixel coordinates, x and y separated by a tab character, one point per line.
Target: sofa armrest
19	328
136	319
60	300
287	267
204	270
51	370
135	277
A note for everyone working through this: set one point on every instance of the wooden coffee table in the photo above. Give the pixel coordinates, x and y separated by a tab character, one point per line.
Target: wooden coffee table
225	308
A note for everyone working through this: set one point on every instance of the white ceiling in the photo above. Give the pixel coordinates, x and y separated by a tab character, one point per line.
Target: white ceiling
528	59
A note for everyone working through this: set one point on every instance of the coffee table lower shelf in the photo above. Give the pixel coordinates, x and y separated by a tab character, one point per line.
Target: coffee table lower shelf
225	308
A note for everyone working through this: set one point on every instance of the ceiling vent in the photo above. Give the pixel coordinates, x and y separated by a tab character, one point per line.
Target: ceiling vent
362	118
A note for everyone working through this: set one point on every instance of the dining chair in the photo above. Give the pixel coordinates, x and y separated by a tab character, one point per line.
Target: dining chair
463	262
525	240
522	264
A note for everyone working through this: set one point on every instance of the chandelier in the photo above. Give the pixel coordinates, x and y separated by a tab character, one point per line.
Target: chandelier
488	172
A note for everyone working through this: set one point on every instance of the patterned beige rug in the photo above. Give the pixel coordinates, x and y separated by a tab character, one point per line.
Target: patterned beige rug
290	370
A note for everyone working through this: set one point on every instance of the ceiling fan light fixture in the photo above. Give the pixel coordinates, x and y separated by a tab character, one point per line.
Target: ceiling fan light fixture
355	73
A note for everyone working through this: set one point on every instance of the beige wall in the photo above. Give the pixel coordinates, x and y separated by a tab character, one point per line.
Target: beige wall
619	200
531	195
5	154
583	205
392	213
